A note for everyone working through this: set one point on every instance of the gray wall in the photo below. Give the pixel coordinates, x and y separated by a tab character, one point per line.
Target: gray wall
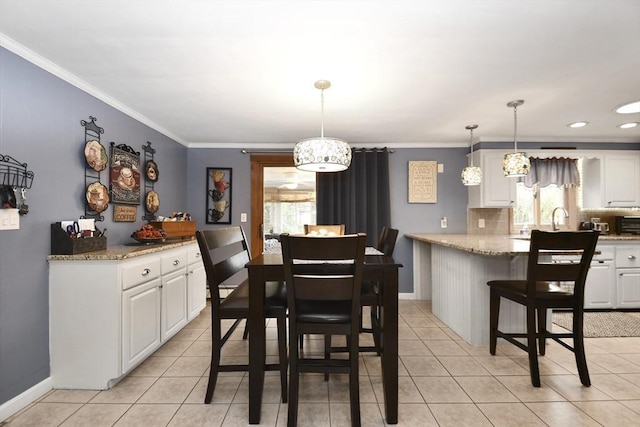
40	125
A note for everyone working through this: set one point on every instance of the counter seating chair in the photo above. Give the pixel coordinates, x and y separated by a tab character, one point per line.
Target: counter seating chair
539	293
371	296
324	230
324	277
224	254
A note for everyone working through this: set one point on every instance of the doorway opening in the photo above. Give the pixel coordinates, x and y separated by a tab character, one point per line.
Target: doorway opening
283	199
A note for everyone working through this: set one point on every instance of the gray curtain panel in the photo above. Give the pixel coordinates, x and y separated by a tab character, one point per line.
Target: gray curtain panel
358	197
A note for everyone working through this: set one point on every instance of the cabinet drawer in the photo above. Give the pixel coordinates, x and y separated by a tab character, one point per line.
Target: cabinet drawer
173	260
607	252
137	272
193	254
627	257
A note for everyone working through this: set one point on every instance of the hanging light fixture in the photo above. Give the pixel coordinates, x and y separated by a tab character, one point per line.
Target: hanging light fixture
471	175
322	154
516	163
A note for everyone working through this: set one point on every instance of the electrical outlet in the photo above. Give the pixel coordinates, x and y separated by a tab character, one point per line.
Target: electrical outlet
481	223
443	222
440	168
243	217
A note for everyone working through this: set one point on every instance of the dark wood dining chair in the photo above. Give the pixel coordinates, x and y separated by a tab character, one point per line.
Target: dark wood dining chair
324	277
224	254
371	296
540	292
324	230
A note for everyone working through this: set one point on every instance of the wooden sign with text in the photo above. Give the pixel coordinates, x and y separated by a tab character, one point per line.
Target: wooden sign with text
124	213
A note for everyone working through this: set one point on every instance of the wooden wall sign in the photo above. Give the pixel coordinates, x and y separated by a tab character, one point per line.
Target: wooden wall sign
124	213
423	181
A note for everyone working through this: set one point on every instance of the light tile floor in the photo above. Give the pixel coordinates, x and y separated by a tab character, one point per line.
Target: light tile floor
443	382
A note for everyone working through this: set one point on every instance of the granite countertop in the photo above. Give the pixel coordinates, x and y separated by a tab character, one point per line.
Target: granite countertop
491	244
121	252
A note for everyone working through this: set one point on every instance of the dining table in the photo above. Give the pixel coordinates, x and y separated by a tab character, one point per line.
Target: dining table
380	268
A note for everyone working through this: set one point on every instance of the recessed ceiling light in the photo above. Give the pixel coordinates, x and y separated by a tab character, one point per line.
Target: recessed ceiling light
577	124
632	107
628	125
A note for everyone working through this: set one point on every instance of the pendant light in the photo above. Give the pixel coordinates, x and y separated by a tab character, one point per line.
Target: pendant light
322	154
471	175
517	163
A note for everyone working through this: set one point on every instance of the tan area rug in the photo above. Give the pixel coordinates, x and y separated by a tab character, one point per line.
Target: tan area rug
600	325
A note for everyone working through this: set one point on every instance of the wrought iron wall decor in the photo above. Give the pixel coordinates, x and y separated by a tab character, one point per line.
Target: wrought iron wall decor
219	195
96	195
151	174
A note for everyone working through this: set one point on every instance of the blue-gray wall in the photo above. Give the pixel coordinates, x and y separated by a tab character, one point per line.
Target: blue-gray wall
40	125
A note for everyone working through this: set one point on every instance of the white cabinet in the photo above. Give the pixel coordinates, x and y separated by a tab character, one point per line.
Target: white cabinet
107	314
496	190
174	292
628	276
611	180
600	289
140	323
196	282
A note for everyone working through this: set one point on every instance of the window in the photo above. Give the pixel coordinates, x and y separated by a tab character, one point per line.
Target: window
535	204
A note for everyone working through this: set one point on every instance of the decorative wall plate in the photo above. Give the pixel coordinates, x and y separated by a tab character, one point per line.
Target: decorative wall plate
152	201
151	170
96	155
97	197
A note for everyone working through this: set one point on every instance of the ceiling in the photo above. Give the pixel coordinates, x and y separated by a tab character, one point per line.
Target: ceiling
403	73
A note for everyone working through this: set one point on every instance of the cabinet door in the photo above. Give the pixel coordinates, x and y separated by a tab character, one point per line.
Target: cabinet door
140	323
628	288
600	289
196	289
622	180
174	303
496	189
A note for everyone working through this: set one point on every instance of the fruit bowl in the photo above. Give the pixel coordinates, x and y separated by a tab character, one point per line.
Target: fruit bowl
149	234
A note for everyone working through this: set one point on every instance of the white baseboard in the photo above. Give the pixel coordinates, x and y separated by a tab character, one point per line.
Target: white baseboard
407	295
24	399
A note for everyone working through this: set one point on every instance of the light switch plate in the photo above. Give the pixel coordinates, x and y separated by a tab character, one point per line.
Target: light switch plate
9	219
243	217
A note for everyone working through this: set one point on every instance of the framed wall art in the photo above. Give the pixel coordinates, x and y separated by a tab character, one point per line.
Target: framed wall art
423	182
219	195
124	175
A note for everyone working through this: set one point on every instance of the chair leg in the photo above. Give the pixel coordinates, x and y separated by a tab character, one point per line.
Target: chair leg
532	346
327	352
282	354
294	381
494	313
354	381
375	327
245	334
213	371
578	348
542	330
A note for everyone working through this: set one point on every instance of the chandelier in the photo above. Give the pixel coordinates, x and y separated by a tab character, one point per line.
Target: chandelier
322	154
517	163
471	175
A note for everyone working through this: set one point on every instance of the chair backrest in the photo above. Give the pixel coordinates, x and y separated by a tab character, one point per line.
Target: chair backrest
324	230
387	240
323	269
224	254
545	244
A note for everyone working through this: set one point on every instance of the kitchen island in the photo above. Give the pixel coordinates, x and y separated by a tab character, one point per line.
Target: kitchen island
453	270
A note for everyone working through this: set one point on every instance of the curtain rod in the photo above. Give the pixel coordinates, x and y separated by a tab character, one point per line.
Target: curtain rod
284	151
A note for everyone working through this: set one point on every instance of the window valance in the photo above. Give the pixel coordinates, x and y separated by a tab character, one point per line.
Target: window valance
561	171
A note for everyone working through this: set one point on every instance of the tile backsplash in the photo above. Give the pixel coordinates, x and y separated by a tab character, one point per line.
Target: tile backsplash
497	220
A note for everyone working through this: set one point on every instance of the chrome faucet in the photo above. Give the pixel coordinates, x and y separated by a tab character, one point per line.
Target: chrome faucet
554	226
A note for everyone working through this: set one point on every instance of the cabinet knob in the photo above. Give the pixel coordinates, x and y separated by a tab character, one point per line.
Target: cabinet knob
146	271
176	262
198	255
632	257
